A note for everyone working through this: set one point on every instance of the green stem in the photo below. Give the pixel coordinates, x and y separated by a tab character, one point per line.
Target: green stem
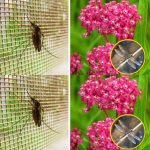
93	43
95	116
106	113
106	38
117	115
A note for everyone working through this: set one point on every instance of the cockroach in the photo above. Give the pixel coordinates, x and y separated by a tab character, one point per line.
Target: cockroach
36	113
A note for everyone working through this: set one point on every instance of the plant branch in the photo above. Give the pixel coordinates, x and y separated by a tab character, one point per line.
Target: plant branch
106	113
106	38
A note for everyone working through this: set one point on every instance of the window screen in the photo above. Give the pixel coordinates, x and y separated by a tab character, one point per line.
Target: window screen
17	51
17	128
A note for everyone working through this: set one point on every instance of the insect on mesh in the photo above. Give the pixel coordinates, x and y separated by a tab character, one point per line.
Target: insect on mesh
17	128
16	35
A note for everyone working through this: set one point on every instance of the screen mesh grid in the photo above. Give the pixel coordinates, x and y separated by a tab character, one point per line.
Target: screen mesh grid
17	51
17	128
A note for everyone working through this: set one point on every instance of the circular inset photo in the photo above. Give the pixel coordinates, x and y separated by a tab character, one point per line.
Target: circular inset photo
127	56
127	131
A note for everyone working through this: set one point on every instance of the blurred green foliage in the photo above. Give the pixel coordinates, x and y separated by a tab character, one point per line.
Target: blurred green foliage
83	45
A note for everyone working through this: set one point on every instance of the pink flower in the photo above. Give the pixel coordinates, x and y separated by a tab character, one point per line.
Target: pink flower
99	60
119	19
119	94
75	139
76	64
99	136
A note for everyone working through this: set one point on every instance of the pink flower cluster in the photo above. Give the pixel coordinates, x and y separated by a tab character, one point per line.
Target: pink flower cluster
111	93
75	139
119	19
99	136
99	60
76	64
